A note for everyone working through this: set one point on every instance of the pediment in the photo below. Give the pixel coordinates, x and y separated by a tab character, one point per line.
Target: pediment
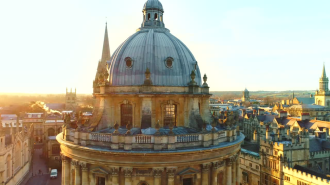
99	171
188	171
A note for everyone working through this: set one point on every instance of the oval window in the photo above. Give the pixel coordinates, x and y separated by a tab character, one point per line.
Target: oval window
129	62
169	62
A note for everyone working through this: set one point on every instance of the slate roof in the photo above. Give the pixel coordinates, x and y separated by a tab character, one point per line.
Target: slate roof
266	118
306	100
315	145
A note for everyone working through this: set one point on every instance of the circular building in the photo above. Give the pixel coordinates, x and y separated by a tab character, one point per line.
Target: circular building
151	122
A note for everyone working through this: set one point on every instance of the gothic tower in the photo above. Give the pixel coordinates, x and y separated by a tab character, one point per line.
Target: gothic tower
71	100
246	96
322	96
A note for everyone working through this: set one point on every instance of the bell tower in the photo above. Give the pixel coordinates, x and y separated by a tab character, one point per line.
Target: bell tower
153	14
322	96
71	100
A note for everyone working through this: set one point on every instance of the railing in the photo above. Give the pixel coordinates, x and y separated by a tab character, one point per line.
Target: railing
101	137
221	134
187	138
143	139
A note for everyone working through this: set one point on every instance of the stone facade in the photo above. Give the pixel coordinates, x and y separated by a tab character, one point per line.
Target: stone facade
15	154
71	100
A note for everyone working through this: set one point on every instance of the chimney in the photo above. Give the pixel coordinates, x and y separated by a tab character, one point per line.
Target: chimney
304	116
261	112
283	114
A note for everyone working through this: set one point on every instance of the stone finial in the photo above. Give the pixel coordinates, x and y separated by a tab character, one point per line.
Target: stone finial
157	127
128	127
147	80
192	76
171	126
116	126
205	80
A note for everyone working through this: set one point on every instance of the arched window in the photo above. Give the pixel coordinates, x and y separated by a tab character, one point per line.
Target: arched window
143	183
156	16
126	114
161	18
148	16
319	102
18	155
51	132
220	178
169	115
8	161
56	149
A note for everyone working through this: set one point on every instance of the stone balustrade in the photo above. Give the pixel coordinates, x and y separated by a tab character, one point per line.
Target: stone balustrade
155	142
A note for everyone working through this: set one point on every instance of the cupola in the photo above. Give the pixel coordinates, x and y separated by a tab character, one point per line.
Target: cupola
153	14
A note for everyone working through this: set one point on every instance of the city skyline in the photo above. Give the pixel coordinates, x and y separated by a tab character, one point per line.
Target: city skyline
257	45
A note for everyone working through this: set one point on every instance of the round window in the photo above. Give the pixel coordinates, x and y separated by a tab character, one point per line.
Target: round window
169	62
129	62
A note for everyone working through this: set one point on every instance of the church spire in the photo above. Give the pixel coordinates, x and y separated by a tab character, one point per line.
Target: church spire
106	47
324	75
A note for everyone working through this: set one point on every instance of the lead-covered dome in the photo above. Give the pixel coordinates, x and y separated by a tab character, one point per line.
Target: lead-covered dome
153	4
153	46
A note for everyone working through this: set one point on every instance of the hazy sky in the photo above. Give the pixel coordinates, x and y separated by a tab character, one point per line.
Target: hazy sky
46	46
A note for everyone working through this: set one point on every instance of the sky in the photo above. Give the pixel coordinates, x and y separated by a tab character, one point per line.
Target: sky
46	46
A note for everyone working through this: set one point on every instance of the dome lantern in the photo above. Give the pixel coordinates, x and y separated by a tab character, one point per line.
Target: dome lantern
153	14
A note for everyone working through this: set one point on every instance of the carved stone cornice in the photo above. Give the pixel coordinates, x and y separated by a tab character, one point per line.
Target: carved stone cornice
229	161
171	171
128	171
157	172
64	158
206	167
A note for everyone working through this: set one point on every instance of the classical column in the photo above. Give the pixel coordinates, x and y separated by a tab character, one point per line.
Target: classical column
158	175
77	173
238	171
234	171
128	175
215	173
170	175
228	172
66	171
84	172
115	174
205	173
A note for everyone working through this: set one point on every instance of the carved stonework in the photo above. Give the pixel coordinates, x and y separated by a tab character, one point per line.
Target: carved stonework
114	171
206	167
75	163
158	172
84	166
229	162
170	172
128	172
215	165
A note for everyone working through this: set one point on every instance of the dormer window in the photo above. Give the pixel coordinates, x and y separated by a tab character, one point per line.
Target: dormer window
129	62
169	62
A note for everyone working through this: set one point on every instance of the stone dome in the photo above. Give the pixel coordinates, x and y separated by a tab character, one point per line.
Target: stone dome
153	46
153	4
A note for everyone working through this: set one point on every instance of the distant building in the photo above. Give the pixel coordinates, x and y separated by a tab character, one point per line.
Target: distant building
322	96
246	96
71	100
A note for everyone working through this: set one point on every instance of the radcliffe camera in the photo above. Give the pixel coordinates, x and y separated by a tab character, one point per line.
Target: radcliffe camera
164	92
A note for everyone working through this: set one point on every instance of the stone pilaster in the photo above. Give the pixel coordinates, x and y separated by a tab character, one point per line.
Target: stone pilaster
215	166
158	175
128	175
170	175
77	172
233	171
205	173
228	172
115	175
84	172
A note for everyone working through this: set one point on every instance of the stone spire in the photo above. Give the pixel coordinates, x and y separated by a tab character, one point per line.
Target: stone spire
106	47
324	81
324	75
